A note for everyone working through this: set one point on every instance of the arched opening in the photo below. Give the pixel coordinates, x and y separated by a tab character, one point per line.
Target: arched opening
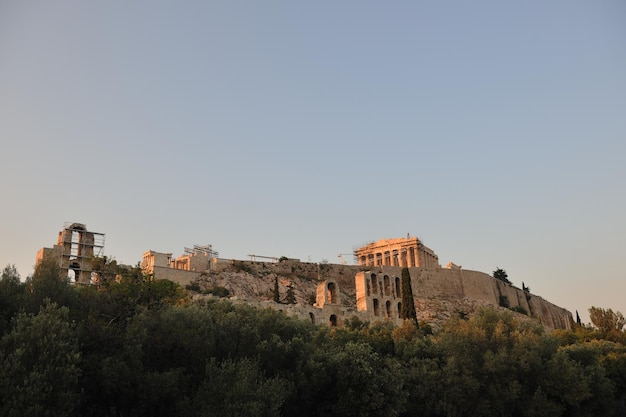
388	308
376	307
333	320
387	285
332	293
75	270
399	310
374	284
71	275
398	293
312	317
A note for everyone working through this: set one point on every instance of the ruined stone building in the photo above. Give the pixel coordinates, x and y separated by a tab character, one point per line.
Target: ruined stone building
74	252
327	307
380	294
403	252
181	269
330	310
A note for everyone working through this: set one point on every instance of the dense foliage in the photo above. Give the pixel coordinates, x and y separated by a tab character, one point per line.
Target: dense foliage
140	347
408	304
501	275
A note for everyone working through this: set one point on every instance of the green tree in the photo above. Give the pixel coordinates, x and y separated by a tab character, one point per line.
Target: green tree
501	275
10	275
39	365
276	293
498	365
134	289
408	304
290	297
105	269
11	296
350	380
610	323
236	388
47	283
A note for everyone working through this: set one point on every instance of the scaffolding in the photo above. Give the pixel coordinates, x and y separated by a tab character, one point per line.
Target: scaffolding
78	249
202	250
253	258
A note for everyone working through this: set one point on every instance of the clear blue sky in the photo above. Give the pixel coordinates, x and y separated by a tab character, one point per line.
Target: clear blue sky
495	131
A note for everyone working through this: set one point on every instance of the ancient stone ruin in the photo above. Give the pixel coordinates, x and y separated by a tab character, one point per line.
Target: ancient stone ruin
75	251
323	292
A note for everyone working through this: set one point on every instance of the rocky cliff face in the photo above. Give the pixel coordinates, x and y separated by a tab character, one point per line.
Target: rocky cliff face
442	292
439	293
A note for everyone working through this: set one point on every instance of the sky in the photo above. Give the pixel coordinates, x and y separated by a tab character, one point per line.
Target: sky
494	131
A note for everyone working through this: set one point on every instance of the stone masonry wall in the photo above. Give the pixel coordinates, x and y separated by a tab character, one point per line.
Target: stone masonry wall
438	293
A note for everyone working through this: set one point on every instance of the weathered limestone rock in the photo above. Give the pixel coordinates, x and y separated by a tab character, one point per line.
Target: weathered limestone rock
439	293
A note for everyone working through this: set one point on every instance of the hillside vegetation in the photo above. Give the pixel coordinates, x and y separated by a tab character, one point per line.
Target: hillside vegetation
140	347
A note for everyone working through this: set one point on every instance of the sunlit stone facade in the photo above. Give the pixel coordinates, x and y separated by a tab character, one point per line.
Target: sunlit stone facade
405	252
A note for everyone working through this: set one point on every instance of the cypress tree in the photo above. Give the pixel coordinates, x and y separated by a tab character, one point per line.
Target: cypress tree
408	305
276	293
290	297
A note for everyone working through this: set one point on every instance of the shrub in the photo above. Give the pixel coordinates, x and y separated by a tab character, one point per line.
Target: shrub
520	309
218	291
504	301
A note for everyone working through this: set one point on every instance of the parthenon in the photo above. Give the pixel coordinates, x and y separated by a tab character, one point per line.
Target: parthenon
404	252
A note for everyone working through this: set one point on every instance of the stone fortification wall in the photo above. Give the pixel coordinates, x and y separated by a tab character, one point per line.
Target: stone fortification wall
439	293
179	276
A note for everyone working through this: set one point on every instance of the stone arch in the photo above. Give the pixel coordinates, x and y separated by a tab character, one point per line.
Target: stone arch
333	297
387	285
333	320
78	226
376	306
374	284
398	288
399	310
75	269
388	308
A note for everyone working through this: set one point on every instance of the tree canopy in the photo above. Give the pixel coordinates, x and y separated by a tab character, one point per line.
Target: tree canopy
408	303
610	323
500	274
140	347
